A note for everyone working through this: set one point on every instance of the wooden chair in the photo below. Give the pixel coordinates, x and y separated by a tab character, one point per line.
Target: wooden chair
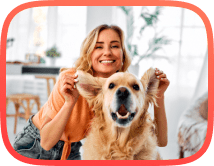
17	100
47	77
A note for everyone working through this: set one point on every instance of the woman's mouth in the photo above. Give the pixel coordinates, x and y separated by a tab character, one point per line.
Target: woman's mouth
107	61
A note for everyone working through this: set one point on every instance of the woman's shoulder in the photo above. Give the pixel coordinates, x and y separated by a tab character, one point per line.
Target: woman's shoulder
64	71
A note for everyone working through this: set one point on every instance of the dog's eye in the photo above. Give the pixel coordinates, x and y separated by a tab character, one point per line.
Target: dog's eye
111	86
136	87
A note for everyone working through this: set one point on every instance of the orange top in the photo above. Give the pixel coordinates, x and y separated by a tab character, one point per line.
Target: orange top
80	118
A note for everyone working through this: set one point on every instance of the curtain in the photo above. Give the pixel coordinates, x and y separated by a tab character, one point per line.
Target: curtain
202	84
21	29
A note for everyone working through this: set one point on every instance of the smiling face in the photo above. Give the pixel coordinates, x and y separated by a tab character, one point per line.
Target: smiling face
107	55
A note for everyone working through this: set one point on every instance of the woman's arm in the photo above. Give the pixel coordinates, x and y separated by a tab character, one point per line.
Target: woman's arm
161	123
159	111
52	129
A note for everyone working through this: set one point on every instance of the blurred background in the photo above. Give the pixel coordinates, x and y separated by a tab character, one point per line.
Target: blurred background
41	40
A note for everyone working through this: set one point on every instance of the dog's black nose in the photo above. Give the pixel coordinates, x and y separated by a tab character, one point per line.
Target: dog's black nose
122	93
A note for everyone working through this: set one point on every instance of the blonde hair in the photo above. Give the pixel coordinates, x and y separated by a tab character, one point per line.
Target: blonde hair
84	61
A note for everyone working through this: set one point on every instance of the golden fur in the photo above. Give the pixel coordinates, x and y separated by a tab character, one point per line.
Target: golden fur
109	140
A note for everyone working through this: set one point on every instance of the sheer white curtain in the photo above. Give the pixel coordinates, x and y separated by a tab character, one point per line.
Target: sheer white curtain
202	84
21	29
52	26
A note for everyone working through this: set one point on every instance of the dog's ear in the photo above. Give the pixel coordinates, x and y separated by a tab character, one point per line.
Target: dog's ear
150	83
88	86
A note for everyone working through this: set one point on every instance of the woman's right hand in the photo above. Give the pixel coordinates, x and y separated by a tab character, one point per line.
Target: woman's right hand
68	90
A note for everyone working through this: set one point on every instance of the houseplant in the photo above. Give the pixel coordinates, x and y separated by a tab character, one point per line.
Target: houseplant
154	44
53	53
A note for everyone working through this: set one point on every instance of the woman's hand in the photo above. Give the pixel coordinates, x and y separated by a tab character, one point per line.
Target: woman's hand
68	90
159	111
164	82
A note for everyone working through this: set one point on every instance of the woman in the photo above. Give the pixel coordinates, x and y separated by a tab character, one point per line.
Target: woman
55	131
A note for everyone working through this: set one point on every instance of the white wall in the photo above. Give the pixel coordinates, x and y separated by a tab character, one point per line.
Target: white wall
97	15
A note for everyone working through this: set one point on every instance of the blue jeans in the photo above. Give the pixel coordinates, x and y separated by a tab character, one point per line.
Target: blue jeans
27	143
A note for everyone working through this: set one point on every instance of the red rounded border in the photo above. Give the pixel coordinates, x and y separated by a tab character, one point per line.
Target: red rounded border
108	3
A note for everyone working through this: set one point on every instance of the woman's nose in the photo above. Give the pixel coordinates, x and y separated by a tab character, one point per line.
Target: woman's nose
107	51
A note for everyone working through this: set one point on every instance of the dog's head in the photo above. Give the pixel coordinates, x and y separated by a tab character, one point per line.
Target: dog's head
122	97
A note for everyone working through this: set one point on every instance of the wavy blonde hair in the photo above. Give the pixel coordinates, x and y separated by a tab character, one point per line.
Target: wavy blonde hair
84	61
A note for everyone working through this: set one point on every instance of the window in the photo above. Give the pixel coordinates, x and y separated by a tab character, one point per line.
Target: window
185	55
36	29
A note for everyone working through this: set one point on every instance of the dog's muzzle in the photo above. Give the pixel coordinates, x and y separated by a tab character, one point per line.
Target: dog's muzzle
122	93
123	115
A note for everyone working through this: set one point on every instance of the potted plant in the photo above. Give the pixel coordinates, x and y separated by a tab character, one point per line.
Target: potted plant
155	43
53	53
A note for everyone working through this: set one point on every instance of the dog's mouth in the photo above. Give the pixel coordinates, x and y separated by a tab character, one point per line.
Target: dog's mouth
123	116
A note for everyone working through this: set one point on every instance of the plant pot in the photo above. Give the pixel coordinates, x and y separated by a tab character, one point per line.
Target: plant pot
52	61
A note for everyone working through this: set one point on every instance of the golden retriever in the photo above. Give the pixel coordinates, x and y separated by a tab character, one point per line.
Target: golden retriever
122	128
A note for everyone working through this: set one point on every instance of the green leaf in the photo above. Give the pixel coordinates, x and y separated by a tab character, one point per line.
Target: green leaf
52	52
125	9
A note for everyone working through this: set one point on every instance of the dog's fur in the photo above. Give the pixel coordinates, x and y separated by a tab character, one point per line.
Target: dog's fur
122	128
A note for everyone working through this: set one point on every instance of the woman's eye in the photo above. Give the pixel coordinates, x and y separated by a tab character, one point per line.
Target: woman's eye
111	85
98	47
115	46
136	87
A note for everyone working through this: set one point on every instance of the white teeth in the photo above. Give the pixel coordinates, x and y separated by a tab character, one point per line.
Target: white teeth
106	61
123	117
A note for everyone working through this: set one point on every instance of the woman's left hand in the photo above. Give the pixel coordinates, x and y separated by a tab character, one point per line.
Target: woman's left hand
164	82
